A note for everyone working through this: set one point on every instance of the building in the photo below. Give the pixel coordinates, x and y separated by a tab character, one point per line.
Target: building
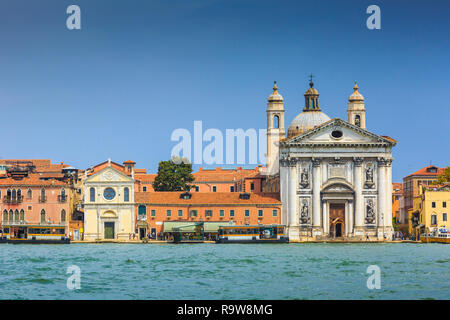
397	194
109	202
153	209
335	175
36	192
412	182
430	209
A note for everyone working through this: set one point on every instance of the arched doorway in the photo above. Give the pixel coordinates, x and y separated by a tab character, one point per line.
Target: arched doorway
337	220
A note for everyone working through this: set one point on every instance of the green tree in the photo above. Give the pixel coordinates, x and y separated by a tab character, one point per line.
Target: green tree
444	177
174	175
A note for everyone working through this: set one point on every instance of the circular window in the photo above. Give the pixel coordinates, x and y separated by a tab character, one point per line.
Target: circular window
109	193
337	134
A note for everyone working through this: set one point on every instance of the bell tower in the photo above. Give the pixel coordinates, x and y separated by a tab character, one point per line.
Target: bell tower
356	111
275	130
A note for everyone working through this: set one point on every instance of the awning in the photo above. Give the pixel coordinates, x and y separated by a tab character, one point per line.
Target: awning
190	226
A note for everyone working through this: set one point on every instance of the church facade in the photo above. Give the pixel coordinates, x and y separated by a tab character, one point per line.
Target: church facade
335	176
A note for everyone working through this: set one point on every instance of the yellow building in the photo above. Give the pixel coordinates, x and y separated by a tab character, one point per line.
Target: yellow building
430	210
108	204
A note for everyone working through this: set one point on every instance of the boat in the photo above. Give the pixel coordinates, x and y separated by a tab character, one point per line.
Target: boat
34	234
441	235
252	234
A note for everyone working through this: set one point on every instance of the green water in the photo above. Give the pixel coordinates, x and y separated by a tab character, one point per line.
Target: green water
236	271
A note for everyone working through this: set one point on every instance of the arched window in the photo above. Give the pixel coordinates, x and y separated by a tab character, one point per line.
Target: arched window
92	194
42	216
16	215
14	194
43	199
142	210
29	194
19	193
22	215
63	215
358	120
11	216
8	194
5	216
276	122
126	195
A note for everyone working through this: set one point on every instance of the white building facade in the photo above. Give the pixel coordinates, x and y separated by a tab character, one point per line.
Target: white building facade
335	176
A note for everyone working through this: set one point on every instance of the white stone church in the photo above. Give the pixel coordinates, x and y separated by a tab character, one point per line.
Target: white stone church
335	176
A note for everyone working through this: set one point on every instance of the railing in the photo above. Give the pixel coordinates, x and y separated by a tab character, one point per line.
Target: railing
11	200
142	217
62	198
42	199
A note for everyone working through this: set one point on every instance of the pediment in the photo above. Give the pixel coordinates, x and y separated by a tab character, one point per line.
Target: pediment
338	132
109	174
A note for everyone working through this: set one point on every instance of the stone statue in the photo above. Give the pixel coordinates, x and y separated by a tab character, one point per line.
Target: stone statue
304	214
370	212
304	179
369	178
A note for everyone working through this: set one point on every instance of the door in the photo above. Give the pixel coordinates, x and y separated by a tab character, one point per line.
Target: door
141	233
337	219
76	234
109	230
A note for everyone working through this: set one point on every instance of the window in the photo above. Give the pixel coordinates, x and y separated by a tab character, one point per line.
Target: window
142	211
232	189
169	213
231	213
274	213
433	219
5	216
186	195
126	195
208	213
11	216
29	194
22	215
196	188
260	213
252	186
92	194
444	204
444	217
193	213
276	122
153	213
180	213
433	204
43	195
357	120
222	213
42	216
63	215
214	188
144	189
16	215
247	213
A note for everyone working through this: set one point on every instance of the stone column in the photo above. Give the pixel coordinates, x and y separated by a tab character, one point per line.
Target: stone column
346	215
325	221
284	179
388	199
292	193
350	217
381	192
316	194
359	201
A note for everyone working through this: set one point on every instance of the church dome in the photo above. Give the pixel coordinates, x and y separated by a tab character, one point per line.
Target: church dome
356	96
275	96
306	121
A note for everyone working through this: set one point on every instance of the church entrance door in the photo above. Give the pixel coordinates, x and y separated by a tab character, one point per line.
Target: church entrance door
337	219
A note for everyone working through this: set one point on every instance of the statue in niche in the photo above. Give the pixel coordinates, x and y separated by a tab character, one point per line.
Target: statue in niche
304	178
304	214
370	212
369	177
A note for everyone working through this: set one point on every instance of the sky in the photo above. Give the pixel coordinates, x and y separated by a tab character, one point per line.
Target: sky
139	69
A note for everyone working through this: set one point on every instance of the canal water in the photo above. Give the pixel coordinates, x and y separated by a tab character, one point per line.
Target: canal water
233	271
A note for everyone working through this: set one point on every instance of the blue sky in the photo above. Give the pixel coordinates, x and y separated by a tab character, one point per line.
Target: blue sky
137	70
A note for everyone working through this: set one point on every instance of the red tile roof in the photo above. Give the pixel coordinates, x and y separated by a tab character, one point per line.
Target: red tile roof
424	172
32	180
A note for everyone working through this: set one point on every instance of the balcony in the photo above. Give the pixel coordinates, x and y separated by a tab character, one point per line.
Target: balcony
142	217
12	200
62	198
42	199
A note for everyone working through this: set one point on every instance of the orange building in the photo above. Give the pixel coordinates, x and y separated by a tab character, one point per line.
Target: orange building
397	193
152	209
36	192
